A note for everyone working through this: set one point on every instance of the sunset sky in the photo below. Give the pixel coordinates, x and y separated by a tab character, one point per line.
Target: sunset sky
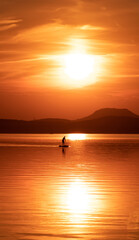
68	58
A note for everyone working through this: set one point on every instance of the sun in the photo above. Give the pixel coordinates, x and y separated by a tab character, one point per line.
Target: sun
80	69
78	66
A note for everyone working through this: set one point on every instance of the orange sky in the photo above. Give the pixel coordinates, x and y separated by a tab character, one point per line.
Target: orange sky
36	36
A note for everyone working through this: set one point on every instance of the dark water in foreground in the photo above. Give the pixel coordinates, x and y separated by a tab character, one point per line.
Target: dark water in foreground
88	191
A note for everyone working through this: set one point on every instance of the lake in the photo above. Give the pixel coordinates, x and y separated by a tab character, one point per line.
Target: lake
87	191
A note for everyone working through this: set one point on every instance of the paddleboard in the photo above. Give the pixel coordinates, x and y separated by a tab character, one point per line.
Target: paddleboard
64	145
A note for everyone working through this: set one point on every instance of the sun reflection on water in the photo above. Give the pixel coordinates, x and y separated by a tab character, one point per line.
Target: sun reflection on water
76	136
81	202
78	198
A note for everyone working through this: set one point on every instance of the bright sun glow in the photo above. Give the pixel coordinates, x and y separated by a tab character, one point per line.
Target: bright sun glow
78	197
75	136
79	69
79	66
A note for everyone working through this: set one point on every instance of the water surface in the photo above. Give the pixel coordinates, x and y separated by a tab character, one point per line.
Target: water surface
87	191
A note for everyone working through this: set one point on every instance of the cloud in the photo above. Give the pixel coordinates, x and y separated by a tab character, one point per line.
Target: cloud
89	27
6	24
9	21
6	27
34	12
118	17
99	13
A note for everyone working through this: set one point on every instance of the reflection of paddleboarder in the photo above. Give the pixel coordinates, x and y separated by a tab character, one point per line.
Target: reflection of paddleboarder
63	140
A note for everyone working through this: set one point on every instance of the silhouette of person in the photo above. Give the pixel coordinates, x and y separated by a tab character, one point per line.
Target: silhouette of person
63	140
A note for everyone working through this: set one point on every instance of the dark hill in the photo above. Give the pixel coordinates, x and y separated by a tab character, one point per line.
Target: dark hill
107	120
110	112
35	126
117	125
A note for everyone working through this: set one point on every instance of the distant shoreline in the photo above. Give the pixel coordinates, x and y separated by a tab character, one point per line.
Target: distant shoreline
103	121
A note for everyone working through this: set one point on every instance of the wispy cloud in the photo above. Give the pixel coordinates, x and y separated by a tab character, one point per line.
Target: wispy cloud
9	21
6	24
89	27
6	27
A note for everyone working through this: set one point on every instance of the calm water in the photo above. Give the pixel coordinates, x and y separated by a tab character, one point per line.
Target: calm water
87	191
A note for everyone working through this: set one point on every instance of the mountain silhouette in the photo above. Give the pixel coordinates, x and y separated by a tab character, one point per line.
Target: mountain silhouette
106	120
110	112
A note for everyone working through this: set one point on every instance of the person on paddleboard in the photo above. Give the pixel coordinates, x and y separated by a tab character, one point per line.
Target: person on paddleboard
63	140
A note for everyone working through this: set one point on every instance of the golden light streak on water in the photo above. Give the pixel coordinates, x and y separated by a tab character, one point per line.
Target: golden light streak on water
76	136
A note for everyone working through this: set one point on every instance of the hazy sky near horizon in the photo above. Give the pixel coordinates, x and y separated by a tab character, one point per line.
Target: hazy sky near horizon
39	39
